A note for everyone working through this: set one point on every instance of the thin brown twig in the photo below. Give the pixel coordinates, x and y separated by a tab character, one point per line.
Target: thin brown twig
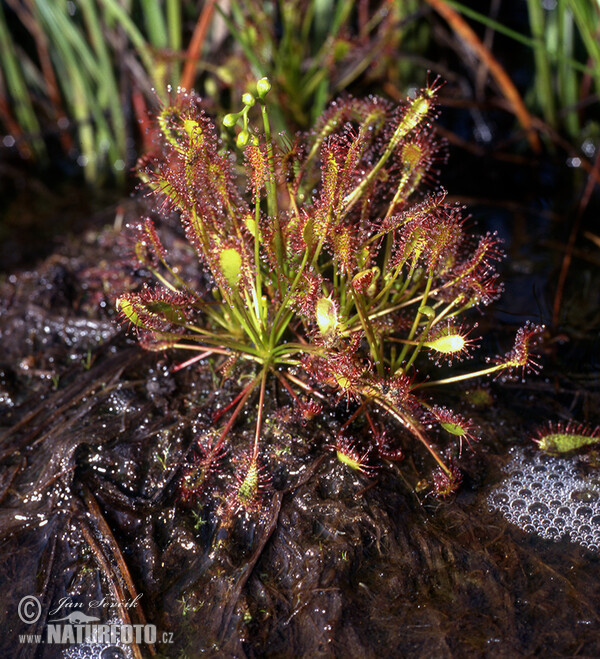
569	149
195	48
568	257
14	129
465	32
117	592
110	541
593	237
40	37
580	254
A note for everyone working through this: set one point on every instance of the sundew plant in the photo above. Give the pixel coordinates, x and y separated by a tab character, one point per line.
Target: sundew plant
336	274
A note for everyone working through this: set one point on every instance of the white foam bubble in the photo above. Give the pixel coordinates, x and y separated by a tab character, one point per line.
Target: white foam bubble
548	496
92	649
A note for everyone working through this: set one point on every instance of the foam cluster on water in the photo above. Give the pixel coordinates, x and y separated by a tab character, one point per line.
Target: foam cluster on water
550	496
93	649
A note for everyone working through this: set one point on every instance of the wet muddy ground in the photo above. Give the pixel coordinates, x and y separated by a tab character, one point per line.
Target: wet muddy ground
94	434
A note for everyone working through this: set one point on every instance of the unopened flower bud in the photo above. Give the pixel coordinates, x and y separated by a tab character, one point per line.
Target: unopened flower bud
248	99
230	120
263	87
243	138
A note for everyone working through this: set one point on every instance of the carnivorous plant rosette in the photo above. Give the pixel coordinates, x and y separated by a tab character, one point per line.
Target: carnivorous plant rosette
330	274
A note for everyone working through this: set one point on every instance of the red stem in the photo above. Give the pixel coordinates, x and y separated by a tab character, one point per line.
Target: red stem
243	397
195	48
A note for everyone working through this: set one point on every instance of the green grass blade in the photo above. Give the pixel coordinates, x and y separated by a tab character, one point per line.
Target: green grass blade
81	78
16	85
118	13
108	87
567	83
543	77
513	34
174	30
586	18
155	23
